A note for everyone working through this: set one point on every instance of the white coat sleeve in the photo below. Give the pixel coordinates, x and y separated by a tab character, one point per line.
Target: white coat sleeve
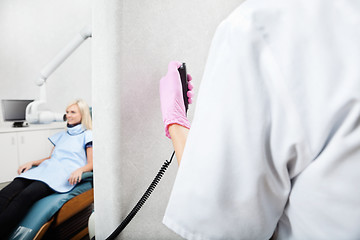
231	184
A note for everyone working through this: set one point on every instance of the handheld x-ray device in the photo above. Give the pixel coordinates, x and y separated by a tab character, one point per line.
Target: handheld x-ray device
146	195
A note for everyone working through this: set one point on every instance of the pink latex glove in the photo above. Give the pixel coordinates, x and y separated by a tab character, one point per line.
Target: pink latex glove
171	98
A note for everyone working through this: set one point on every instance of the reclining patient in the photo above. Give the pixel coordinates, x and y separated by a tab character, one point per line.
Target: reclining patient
70	157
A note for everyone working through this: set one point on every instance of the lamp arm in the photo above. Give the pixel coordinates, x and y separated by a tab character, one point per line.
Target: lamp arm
36	111
84	34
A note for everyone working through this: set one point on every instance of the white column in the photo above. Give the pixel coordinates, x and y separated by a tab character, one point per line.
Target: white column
107	124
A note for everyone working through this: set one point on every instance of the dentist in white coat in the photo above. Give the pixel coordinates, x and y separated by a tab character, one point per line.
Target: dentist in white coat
274	147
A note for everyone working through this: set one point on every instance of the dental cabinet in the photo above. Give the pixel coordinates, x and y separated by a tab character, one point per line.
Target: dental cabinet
21	145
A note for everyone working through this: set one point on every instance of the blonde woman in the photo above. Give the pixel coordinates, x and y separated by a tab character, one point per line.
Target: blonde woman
60	172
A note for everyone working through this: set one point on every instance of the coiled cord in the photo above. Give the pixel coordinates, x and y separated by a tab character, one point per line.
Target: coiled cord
142	200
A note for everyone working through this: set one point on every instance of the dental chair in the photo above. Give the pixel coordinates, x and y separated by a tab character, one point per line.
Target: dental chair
60	215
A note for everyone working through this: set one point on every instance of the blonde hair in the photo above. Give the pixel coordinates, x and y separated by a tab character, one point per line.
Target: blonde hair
84	111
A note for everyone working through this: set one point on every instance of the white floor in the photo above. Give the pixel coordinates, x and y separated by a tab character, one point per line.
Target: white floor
2	185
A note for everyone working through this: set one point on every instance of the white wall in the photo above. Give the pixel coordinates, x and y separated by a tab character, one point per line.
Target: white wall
32	32
132	45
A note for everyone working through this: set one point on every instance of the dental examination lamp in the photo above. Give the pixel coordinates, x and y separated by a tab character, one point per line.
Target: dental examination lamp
36	111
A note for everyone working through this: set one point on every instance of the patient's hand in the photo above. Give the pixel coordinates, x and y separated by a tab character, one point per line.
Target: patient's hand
75	176
23	168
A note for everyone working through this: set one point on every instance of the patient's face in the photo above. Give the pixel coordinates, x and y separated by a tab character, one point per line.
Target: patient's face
73	114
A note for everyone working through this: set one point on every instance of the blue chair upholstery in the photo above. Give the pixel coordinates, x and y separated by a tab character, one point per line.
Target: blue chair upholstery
44	209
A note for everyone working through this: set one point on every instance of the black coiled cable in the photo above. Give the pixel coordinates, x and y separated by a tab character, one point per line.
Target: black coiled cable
142	200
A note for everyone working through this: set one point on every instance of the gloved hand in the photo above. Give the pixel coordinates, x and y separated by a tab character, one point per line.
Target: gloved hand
171	98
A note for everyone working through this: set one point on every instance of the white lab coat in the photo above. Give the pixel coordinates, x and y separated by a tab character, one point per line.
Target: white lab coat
275	140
